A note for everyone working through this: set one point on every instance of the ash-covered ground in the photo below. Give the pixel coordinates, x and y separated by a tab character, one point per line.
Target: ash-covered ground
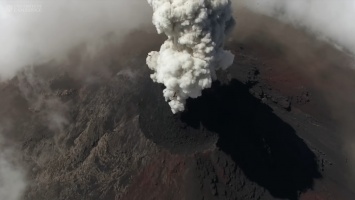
265	130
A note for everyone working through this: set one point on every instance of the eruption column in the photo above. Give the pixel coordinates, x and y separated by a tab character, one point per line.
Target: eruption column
187	61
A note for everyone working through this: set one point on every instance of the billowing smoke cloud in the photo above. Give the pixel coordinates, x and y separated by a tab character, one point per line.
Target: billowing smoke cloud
35	31
327	19
187	61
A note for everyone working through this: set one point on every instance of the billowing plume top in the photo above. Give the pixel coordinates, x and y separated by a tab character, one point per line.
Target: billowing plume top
187	61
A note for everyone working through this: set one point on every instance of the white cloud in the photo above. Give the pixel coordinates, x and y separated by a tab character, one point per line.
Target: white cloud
332	20
28	38
188	59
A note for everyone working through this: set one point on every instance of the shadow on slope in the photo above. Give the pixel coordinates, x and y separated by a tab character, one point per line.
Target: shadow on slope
262	145
166	129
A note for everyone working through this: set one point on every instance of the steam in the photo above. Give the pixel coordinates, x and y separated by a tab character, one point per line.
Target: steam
12	176
187	61
329	20
55	27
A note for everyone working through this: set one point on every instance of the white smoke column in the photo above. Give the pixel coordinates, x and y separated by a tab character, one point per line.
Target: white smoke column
187	61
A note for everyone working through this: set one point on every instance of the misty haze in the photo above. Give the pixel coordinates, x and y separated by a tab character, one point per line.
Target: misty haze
177	99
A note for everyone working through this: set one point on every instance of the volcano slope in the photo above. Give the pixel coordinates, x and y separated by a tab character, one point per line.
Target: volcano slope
89	132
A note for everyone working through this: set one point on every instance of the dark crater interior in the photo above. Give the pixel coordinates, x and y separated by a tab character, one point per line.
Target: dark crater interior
264	146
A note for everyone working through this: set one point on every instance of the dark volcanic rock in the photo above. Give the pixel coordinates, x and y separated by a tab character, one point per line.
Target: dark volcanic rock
164	128
121	141
112	136
262	145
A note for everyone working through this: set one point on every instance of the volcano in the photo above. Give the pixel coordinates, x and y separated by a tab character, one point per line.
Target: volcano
262	131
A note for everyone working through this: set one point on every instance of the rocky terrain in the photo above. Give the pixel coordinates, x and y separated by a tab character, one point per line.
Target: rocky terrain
99	128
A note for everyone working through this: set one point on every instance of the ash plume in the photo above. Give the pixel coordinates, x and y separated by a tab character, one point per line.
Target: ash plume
187	61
